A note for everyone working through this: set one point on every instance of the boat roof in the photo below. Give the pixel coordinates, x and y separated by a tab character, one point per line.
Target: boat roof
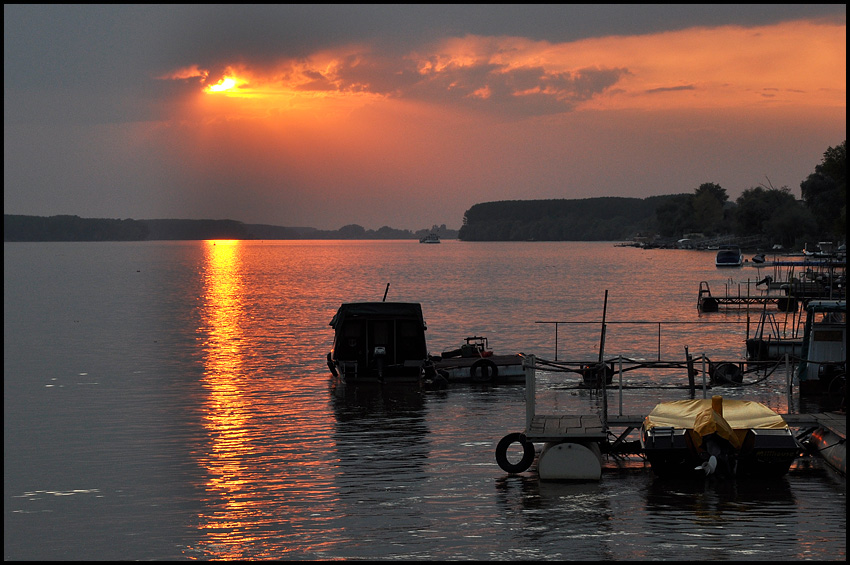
740	414
409	310
827	305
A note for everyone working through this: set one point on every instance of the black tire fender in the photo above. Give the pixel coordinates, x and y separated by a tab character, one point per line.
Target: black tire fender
502	453
483	371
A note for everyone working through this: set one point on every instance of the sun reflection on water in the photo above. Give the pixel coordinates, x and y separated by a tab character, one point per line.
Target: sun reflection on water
226	412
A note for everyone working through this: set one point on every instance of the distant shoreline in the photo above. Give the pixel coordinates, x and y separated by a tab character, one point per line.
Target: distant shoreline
22	228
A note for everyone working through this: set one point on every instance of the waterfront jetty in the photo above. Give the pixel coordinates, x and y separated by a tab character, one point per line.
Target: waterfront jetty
573	444
708	302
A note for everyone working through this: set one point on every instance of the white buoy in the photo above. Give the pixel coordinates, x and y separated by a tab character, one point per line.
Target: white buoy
570	461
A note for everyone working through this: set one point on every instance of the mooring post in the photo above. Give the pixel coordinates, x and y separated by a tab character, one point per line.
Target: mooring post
788	380
604	398
704	394
691	373
621	384
529	390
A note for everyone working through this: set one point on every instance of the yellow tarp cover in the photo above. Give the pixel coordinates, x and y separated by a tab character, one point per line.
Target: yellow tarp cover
728	418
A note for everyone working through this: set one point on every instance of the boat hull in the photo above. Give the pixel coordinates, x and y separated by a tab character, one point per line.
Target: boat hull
773	350
733	438
765	453
492	369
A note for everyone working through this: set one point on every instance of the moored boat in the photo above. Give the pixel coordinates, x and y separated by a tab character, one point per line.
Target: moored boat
475	362
729	256
730	438
823	360
379	342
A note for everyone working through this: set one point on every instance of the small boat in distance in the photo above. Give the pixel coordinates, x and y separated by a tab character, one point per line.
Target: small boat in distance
430	238
729	256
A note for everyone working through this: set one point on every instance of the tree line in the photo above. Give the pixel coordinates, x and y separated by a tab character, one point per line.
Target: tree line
74	228
773	214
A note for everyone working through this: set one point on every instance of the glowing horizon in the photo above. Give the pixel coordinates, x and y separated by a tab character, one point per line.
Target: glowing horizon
787	64
407	116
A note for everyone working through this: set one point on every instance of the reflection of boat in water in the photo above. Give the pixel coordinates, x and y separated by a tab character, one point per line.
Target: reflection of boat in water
475	362
823	363
728	437
729	256
430	238
379	342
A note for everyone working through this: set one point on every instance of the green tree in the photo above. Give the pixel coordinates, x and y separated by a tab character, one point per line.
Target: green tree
676	215
756	207
709	203
789	224
825	192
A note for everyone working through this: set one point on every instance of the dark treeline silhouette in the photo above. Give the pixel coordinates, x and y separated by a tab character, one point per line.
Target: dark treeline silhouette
772	214
590	219
74	228
71	228
764	213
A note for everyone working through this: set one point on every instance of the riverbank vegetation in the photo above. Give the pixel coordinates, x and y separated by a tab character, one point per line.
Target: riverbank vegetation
772	214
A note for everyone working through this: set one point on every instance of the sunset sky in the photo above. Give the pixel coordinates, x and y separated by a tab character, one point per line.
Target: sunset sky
407	115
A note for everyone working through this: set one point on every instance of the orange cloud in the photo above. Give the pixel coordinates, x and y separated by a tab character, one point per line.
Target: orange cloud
791	63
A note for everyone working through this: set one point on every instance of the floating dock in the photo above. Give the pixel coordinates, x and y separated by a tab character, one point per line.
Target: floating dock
573	444
707	302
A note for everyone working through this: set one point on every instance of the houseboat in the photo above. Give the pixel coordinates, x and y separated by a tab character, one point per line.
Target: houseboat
381	342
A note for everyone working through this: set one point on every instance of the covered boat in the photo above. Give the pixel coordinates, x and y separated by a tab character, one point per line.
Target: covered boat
729	256
728	437
379	342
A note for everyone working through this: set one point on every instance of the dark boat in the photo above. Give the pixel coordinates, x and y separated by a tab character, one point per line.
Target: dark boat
379	342
732	438
729	256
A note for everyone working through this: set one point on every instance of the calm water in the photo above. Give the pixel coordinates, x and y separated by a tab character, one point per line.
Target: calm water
171	400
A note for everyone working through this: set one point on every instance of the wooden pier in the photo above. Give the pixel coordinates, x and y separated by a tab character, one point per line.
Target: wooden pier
707	302
582	438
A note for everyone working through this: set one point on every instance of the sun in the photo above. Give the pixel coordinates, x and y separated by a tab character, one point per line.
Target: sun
226	84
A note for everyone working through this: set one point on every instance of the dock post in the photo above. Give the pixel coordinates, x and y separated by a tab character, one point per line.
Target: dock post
530	387
604	399
691	372
704	394
621	384
788	380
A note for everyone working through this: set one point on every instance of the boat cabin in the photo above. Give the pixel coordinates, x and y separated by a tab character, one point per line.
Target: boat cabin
378	342
824	355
